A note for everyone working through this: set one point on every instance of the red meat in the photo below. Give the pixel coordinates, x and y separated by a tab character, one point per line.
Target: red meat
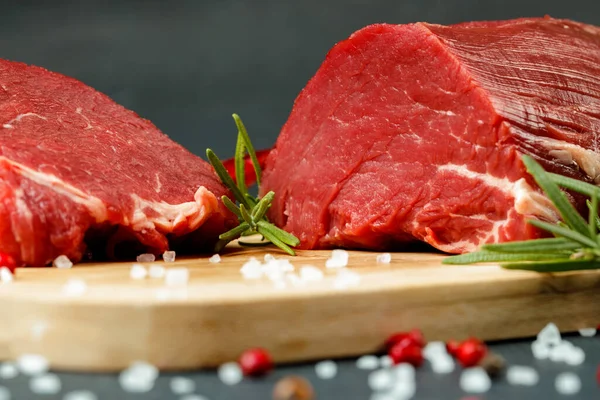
80	173
416	132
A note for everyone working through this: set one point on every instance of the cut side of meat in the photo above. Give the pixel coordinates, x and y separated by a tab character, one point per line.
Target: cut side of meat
416	132
81	174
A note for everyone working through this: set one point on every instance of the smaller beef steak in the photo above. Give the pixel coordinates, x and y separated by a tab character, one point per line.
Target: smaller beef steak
78	172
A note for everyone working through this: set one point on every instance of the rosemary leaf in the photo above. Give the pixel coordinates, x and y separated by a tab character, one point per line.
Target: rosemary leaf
488	256
231	206
554	265
263	205
558	198
573	184
224	176
235	232
246	216
243	133
282	235
274	239
593	215
564	232
533	246
240	169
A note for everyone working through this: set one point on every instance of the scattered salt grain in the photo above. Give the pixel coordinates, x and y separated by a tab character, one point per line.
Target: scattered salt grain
575	357
269	257
381	379
230	373
522	375
559	352
32	364
156	271
338	259
475	380
80	395
5	275
386	361
252	269
405	372
138	378
145	258
177	277
309	273
587	332
442	364
550	335
62	261
326	369
8	370
541	351
367	362
384	258
45	384
138	272
4	393
295	280
434	349
567	383
193	397
169	256
214	259
182	385
345	279
74	287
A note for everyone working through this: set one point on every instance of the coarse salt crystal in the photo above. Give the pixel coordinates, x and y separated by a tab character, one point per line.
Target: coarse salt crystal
522	375
475	380
5	275
405	372
80	395
587	332
74	287
230	373
541	351
32	364
326	369
137	272
549	335
214	259
182	385
367	362
434	349
139	377
193	397
8	370
252	269
177	277
309	273
381	379
143	369
45	384
295	280
384	258
567	383
156	271
403	390
4	393
576	356
345	279
145	258
269	257
560	351
62	261
442	364
169	256
338	259
386	361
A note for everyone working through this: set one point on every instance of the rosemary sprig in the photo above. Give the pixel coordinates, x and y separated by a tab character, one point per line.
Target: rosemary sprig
251	211
576	245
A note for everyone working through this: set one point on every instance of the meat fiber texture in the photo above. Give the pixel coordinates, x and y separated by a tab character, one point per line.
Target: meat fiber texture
81	174
416	132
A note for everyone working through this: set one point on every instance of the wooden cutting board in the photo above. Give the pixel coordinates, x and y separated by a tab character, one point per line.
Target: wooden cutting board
119	320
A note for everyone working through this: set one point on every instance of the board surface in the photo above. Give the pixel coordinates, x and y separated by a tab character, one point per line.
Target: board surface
218	314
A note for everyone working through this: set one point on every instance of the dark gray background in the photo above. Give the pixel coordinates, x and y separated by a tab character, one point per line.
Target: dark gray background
187	65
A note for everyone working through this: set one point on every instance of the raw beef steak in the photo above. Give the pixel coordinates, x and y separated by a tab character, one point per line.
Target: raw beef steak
416	132
78	171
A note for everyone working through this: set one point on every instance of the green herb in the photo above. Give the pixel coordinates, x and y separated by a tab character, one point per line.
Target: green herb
251	211
576	245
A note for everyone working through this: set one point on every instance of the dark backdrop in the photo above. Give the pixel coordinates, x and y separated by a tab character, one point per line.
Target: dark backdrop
187	65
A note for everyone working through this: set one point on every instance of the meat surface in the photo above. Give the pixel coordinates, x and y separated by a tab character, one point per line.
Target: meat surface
416	132
79	173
